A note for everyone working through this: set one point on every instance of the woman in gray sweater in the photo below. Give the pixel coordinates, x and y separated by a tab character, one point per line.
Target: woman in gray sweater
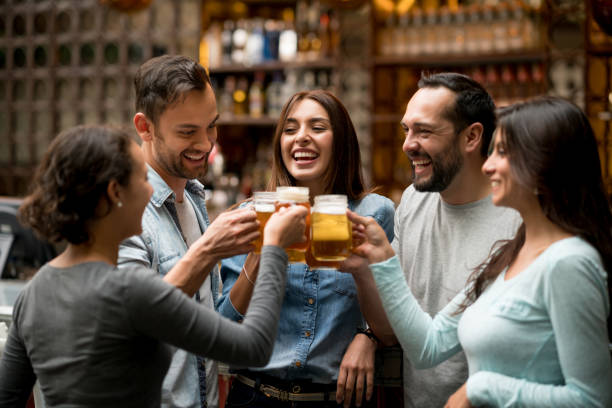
98	336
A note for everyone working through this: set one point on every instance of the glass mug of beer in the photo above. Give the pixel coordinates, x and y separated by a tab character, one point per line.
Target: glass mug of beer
331	235
264	204
285	197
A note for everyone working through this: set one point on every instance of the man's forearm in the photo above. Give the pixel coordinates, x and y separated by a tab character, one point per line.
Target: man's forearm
190	271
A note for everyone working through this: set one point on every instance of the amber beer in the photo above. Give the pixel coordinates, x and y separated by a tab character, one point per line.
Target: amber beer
331	238
288	196
264	204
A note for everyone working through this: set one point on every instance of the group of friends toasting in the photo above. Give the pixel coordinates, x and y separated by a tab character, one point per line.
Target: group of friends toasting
491	273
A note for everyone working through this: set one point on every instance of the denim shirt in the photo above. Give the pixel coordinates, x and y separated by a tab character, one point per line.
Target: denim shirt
320	311
159	247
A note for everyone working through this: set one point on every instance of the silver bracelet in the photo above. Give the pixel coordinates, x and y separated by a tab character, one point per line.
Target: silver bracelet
246	275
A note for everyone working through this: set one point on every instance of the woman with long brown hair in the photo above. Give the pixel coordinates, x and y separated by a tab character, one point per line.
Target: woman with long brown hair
315	146
98	336
532	319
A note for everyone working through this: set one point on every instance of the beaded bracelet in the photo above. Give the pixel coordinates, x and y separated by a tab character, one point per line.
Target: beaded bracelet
370	334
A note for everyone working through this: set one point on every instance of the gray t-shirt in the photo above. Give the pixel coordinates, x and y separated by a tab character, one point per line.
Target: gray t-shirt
439	245
94	335
191	232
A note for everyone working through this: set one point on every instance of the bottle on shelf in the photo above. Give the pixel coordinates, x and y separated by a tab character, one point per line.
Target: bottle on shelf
288	40
254	49
256	96
241	106
226	100
226	42
239	40
271	40
274	95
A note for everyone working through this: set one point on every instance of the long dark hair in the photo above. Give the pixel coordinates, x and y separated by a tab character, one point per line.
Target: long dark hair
72	179
543	139
345	174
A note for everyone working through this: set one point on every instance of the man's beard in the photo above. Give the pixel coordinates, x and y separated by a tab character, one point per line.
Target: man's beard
445	167
173	164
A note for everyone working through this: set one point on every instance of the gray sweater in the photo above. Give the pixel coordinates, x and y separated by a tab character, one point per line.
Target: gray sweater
95	335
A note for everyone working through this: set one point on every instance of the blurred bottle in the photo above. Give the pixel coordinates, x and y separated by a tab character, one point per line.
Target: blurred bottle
226	42
515	37
458	31
400	34
226	99
274	95
385	36
444	31
334	32
500	29
239	40
472	29
430	40
211	50
493	82
301	27
271	39
416	32
324	35
288	41
487	37
322	79
254	49
241	105
522	79
309	80
256	95
314	42
508	89
290	86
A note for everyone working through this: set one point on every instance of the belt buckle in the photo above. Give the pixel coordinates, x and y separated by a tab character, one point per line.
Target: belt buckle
269	391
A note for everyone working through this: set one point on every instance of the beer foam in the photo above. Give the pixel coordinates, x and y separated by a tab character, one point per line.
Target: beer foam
267	208
297	194
323	209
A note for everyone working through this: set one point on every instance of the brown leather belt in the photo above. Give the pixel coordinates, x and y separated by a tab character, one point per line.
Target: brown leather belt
274	392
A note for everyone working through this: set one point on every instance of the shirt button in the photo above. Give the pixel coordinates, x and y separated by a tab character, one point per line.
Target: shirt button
298	364
307	334
311	301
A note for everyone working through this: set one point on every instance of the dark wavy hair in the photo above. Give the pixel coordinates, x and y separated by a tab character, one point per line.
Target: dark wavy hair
160	81
472	103
344	175
72	179
543	138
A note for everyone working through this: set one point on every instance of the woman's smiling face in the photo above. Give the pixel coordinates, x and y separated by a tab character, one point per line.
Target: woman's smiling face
306	143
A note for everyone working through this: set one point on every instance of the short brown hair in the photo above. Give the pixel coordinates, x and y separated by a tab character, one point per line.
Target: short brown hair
71	180
160	81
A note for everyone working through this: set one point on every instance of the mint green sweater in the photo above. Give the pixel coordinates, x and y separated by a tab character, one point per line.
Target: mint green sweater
536	340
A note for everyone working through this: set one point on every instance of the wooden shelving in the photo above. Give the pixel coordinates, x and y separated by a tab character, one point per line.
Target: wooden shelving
273	66
463	59
245	120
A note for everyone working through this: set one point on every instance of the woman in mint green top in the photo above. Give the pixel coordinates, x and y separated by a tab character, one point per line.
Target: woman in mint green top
532	318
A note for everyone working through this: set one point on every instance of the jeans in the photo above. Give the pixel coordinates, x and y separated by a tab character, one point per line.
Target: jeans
241	395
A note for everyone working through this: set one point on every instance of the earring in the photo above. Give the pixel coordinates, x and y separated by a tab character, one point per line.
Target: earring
119	204
535	191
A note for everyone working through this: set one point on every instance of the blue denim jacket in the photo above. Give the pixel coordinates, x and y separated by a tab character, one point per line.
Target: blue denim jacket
159	247
320	312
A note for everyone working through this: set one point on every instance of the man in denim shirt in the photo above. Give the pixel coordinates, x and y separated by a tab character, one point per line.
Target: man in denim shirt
176	116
